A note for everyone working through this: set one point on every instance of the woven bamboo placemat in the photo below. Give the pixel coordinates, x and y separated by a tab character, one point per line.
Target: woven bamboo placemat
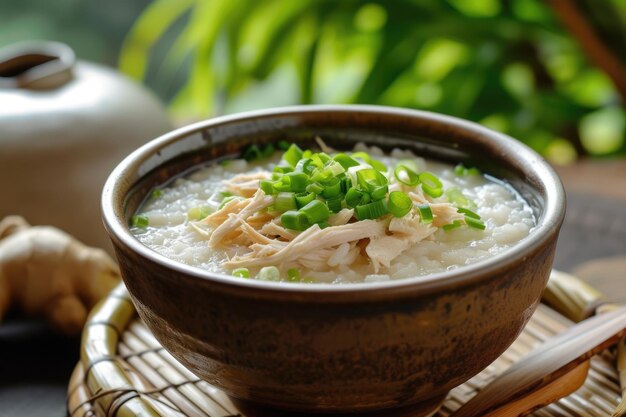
125	372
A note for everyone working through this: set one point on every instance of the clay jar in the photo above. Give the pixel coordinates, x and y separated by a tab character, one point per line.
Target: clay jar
64	125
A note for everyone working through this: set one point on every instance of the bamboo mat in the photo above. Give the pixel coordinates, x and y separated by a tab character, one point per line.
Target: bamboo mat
130	374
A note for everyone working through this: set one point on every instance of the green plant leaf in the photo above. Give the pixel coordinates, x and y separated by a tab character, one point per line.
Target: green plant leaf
148	29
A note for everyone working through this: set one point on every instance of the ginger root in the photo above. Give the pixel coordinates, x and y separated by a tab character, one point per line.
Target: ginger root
46	272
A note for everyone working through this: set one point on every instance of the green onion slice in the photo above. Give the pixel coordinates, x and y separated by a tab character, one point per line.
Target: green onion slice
303	199
139	220
379	193
293	275
354	197
474	223
283	145
199	213
332	189
227	200
268	150
431	184
295	220
315	188
456	197
283	169
267	187
241	273
372	210
334	204
156	193
297	181
399	203
346	161
370	179
269	273
462	170
455	224
468	213
426	214
406	175
377	165
252	153
285	202
293	155
315	211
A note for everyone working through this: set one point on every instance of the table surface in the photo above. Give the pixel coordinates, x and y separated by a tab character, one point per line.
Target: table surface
35	364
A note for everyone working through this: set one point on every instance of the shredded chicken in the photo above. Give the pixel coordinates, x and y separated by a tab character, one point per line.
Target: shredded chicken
219	236
246	185
445	213
341	218
418	196
274	229
306	244
406	231
220	216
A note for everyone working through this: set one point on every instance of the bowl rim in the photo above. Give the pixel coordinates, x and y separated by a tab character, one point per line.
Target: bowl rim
547	227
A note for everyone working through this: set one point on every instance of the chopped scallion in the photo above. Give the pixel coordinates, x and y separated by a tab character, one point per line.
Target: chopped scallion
283	145
295	220
303	199
241	273
468	213
139	220
293	155
399	204
462	170
372	210
474	223
283	169
455	224
156	193
268	150
379	193
315	211
267	187
355	197
456	197
252	153
431	184
269	273
293	275
332	188
334	204
370	179
285	201
199	213
297	181
346	161
426	214
315	188
227	200
406	175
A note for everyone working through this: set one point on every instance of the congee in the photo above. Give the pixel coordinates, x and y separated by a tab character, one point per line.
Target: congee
324	216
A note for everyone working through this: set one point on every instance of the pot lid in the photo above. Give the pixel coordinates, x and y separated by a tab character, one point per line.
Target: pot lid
36	65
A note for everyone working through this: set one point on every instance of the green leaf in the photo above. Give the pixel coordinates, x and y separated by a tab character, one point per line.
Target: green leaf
148	29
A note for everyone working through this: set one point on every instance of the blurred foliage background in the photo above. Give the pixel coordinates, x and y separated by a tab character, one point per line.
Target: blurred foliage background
550	73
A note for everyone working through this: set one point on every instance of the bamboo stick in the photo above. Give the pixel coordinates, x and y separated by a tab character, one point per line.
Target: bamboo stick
104	376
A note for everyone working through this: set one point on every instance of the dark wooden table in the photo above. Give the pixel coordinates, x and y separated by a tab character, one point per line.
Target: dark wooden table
35	364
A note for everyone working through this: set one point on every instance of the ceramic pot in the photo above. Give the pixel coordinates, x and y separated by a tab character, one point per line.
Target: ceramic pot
64	125
337	348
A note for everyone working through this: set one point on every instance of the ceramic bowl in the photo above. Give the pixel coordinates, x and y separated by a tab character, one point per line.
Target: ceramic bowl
343	348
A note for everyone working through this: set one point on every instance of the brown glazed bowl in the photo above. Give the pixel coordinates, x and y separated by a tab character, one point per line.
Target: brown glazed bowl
344	348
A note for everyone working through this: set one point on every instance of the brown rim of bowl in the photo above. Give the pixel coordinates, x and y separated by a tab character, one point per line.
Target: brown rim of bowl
119	183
